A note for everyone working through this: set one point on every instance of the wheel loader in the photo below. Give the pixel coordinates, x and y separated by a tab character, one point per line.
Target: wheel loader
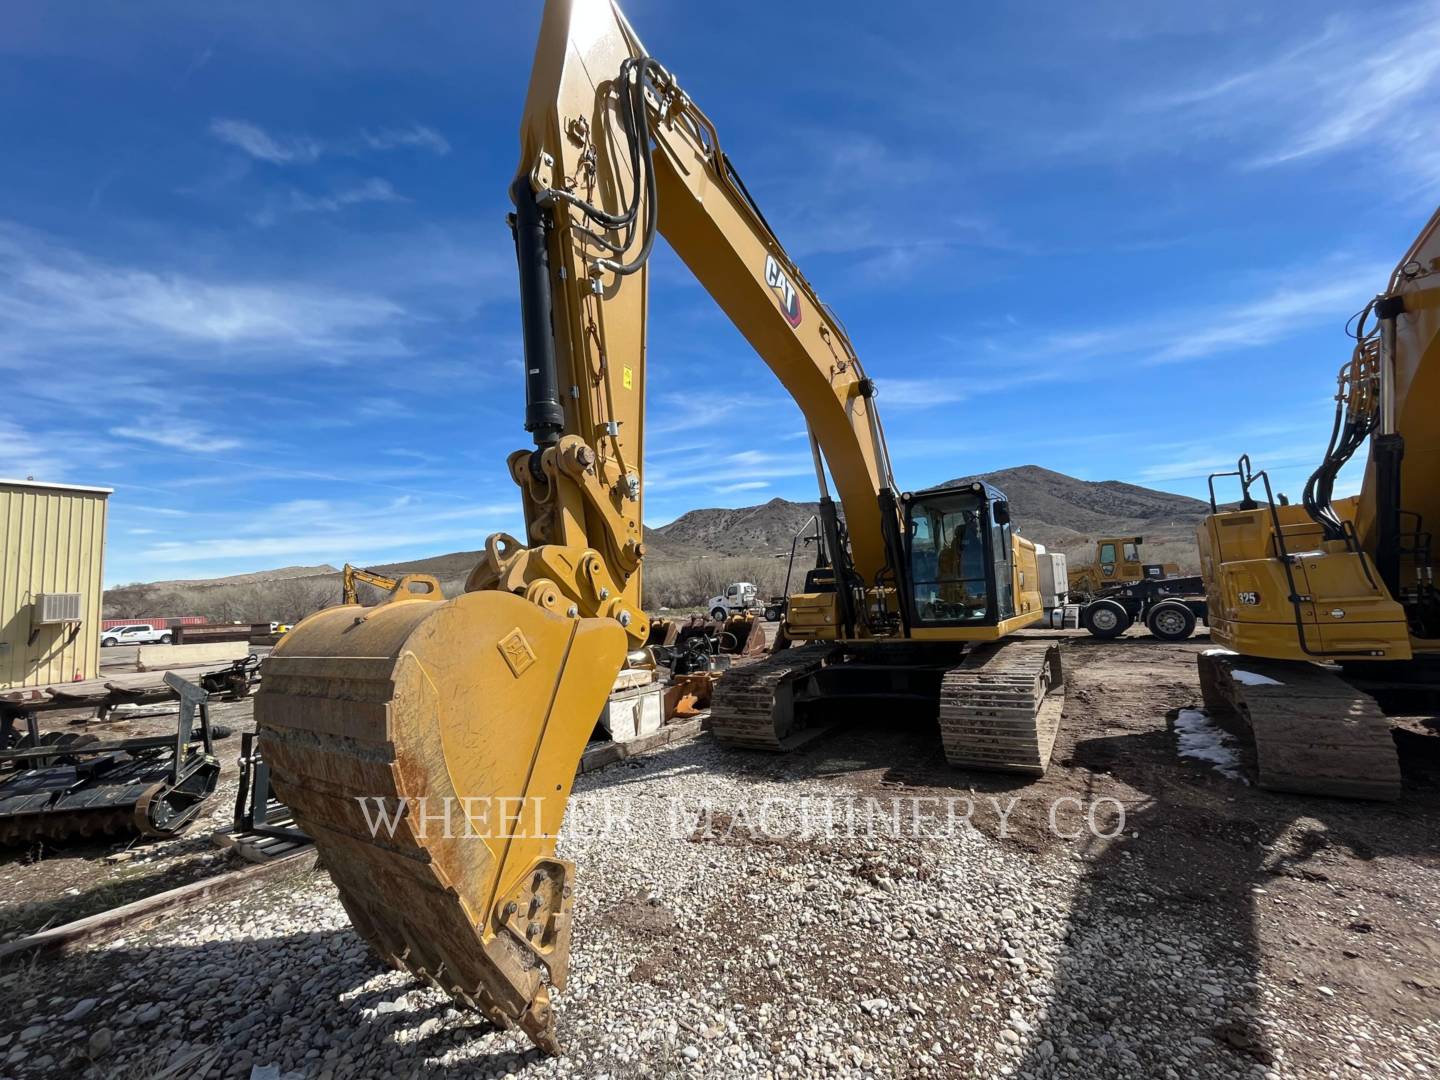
1326	612
1118	561
485	701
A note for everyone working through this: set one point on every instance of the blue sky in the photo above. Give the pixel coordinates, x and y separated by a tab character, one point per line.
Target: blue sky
254	272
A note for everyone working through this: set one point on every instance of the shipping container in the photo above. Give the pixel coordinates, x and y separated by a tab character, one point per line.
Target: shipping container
154	623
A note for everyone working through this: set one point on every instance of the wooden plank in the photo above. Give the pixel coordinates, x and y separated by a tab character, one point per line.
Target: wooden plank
629	678
164	657
153	910
602	754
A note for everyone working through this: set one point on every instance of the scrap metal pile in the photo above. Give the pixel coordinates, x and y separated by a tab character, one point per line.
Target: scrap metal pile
57	785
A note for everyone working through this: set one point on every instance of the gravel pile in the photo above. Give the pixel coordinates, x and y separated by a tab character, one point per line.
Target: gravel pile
714	950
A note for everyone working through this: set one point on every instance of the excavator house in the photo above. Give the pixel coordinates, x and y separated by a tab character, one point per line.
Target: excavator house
1327	611
486	700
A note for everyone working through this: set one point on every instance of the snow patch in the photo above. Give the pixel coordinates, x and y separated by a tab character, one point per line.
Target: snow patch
1251	678
1203	741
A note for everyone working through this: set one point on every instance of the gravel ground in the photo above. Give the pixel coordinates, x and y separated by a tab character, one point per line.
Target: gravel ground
1224	933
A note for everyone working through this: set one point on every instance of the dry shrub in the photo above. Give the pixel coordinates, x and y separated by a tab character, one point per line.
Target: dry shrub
690	583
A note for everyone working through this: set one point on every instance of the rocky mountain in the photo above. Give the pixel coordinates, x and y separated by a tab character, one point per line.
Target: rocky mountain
1051	508
1061	511
751	530
281	574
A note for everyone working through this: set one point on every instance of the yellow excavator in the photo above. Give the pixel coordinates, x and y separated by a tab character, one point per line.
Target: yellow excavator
405	584
469	715
1326	611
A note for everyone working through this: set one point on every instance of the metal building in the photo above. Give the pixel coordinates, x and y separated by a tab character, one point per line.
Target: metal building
52	552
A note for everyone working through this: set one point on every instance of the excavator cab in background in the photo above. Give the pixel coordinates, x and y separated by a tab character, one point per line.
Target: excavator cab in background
1327	611
475	710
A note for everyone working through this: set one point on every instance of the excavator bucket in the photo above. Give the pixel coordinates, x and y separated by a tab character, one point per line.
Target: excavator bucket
429	747
663	633
743	635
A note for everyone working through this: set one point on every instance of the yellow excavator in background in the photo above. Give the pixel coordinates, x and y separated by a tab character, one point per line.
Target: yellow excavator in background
405	584
471	713
351	574
1327	611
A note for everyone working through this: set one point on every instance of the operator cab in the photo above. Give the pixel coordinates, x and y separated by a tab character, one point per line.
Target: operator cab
958	551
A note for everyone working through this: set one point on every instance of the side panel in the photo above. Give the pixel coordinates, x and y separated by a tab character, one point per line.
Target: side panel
1029	604
51	541
1341	607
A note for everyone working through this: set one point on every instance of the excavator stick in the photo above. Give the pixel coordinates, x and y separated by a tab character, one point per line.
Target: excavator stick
429	748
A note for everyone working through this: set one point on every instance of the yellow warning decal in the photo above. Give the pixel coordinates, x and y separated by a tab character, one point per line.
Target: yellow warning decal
628	378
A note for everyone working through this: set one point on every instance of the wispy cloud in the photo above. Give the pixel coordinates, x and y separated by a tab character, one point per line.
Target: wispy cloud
24	454
838	194
54	299
1361	81
921	393
178	435
1027	356
745	485
301	149
373	190
1197	333
744	470
260	144
328	530
423	138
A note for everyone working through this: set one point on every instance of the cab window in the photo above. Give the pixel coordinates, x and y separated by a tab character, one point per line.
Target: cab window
950	570
1107	554
1132	553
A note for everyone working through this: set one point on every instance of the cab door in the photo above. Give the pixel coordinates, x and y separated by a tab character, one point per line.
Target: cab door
1001	552
1131	570
1109	556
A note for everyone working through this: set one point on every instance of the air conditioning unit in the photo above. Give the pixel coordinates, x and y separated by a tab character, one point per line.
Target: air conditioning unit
58	607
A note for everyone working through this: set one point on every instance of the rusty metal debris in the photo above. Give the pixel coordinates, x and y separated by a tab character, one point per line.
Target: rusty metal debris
55	788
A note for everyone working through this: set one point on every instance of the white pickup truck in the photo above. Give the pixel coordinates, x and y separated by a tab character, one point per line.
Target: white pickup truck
135	634
738	597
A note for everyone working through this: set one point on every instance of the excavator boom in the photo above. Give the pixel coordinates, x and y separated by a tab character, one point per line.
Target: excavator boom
429	745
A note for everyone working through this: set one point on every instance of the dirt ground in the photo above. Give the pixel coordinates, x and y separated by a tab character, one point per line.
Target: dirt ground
1336	898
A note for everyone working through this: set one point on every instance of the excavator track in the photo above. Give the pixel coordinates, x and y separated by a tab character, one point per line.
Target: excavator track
109	797
754	706
1313	733
1000	708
